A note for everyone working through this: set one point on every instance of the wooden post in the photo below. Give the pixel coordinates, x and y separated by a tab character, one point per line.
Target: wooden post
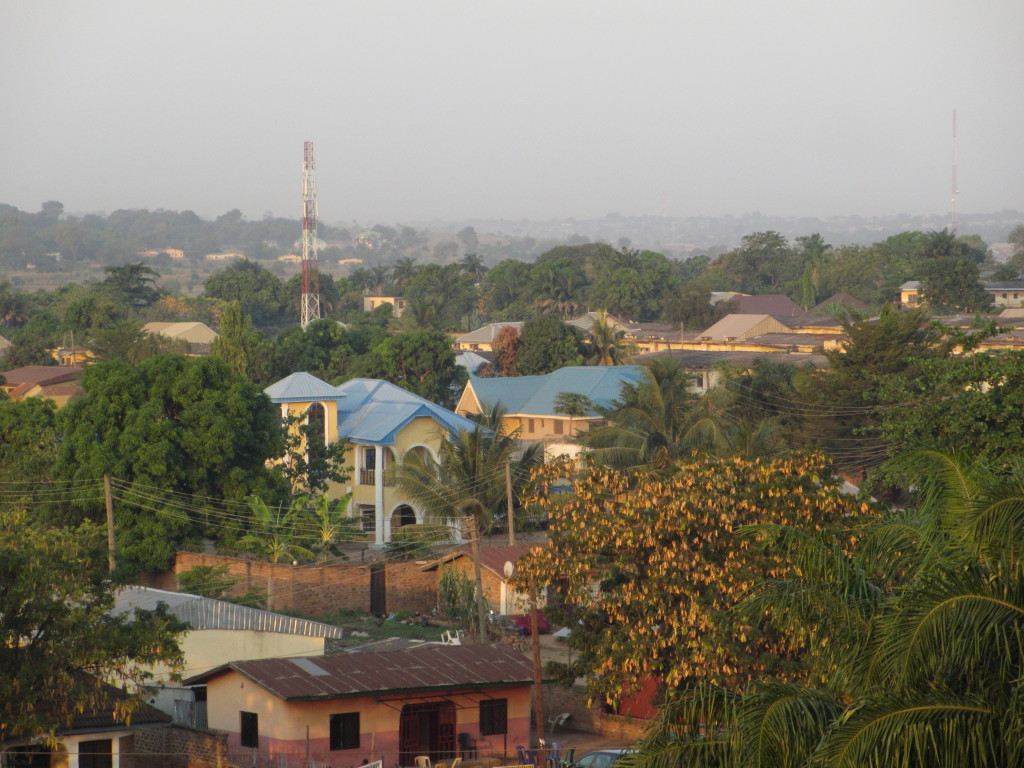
538	694
110	522
474	548
511	510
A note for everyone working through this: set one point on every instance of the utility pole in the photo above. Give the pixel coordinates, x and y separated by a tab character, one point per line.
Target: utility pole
110	522
511	511
474	548
538	694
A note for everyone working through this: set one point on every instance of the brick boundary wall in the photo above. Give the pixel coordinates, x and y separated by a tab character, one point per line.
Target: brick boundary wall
175	746
559	699
316	590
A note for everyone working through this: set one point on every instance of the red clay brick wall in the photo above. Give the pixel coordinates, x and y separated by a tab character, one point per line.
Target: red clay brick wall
174	747
320	590
559	699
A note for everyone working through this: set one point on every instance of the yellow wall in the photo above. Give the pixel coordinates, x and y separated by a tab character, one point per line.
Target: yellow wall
205	649
421	431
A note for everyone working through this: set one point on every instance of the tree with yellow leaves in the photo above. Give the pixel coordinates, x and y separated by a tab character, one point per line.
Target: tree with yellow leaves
647	568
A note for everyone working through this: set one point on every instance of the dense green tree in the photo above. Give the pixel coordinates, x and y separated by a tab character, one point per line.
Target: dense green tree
839	410
558	285
633	284
239	344
547	344
29	446
419	361
170	425
255	288
88	309
449	288
969	403
132	283
764	263
58	640
949	268
505	289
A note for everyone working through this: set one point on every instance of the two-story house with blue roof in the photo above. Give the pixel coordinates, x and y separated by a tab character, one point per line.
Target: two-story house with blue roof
381	424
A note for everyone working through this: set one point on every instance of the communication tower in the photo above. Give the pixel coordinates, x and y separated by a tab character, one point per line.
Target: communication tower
310	309
956	188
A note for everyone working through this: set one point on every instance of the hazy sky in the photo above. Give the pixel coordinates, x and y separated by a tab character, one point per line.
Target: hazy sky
456	109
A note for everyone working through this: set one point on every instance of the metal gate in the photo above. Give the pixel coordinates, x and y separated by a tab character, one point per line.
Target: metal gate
378	590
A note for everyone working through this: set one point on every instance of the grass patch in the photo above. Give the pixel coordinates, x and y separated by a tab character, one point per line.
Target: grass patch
404	625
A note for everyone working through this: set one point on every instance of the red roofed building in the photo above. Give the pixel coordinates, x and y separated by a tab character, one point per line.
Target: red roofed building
392	706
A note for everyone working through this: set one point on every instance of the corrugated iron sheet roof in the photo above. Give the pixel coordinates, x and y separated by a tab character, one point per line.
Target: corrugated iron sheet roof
206	613
359	674
535	395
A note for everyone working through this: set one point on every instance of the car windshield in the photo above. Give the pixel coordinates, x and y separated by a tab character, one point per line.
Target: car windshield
599	760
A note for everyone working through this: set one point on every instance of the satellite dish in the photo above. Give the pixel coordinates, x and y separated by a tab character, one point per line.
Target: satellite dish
509	569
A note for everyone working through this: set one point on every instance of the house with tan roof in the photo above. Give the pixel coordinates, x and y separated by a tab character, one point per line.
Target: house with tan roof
200	337
743	326
482	339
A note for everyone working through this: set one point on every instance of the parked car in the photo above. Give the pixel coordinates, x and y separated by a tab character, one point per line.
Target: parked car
523	624
601	758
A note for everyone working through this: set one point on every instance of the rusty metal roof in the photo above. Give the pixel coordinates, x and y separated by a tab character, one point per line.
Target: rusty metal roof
445	667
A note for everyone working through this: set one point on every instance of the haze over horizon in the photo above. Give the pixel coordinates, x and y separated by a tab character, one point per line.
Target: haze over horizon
458	110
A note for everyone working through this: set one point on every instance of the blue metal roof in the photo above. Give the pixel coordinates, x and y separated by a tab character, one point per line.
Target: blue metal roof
535	395
300	388
369	410
374	411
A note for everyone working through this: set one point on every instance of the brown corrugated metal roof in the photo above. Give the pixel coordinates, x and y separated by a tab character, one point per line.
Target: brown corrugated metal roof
41	374
359	674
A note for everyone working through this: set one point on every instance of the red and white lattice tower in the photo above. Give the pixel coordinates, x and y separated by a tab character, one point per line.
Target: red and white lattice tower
310	309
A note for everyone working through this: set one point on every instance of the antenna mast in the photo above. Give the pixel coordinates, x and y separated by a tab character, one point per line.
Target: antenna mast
956	188
310	309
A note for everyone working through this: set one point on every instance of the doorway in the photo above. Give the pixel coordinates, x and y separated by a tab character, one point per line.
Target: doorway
427	729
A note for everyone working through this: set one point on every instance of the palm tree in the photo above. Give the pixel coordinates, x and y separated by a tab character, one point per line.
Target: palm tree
473	265
652	423
609	343
276	532
380	274
468	477
364	279
574	405
403	271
